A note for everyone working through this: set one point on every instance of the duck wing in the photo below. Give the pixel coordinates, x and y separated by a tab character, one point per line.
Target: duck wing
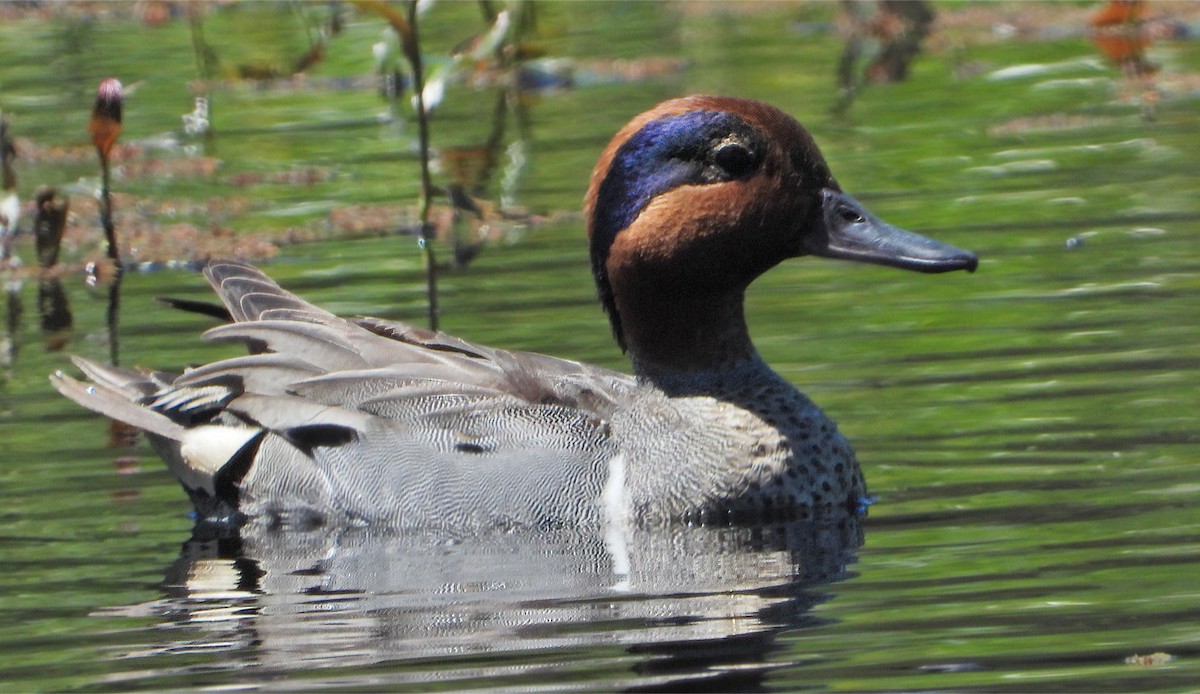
269	318
369	421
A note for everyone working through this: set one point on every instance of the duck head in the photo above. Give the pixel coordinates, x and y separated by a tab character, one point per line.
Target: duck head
697	197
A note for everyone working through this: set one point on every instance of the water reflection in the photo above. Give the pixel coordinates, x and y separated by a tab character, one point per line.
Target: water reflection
55	313
472	220
884	38
113	318
9	212
50	219
12	323
695	603
1121	34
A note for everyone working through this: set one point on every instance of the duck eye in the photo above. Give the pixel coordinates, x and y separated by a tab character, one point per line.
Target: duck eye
734	158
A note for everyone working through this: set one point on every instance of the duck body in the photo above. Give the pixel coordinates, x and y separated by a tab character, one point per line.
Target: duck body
331	421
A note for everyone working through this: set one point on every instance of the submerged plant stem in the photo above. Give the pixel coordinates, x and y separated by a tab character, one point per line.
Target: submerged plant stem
113	318
413	51
114	254
106	216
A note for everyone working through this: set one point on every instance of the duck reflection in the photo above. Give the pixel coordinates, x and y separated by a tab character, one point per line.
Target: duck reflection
685	605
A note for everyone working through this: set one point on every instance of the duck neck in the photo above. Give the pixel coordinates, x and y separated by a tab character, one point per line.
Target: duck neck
675	341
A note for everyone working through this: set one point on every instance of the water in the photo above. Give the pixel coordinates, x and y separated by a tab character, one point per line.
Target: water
1030	431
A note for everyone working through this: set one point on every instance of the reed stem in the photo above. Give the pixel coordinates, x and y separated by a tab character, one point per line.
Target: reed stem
413	51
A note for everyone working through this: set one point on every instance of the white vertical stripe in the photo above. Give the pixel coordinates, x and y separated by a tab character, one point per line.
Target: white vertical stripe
615	520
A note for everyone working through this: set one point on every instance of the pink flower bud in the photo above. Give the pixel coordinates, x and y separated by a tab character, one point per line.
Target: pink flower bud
105	126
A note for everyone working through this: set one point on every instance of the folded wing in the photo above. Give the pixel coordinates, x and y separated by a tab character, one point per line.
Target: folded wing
330	420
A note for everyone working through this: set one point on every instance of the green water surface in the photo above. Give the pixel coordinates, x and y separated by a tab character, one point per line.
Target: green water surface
1031	431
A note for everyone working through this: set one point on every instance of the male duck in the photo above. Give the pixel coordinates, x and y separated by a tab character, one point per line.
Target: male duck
365	421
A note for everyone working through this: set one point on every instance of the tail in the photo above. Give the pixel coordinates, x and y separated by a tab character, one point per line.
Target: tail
206	459
117	394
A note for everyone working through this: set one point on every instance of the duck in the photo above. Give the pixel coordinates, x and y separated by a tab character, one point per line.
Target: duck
330	421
